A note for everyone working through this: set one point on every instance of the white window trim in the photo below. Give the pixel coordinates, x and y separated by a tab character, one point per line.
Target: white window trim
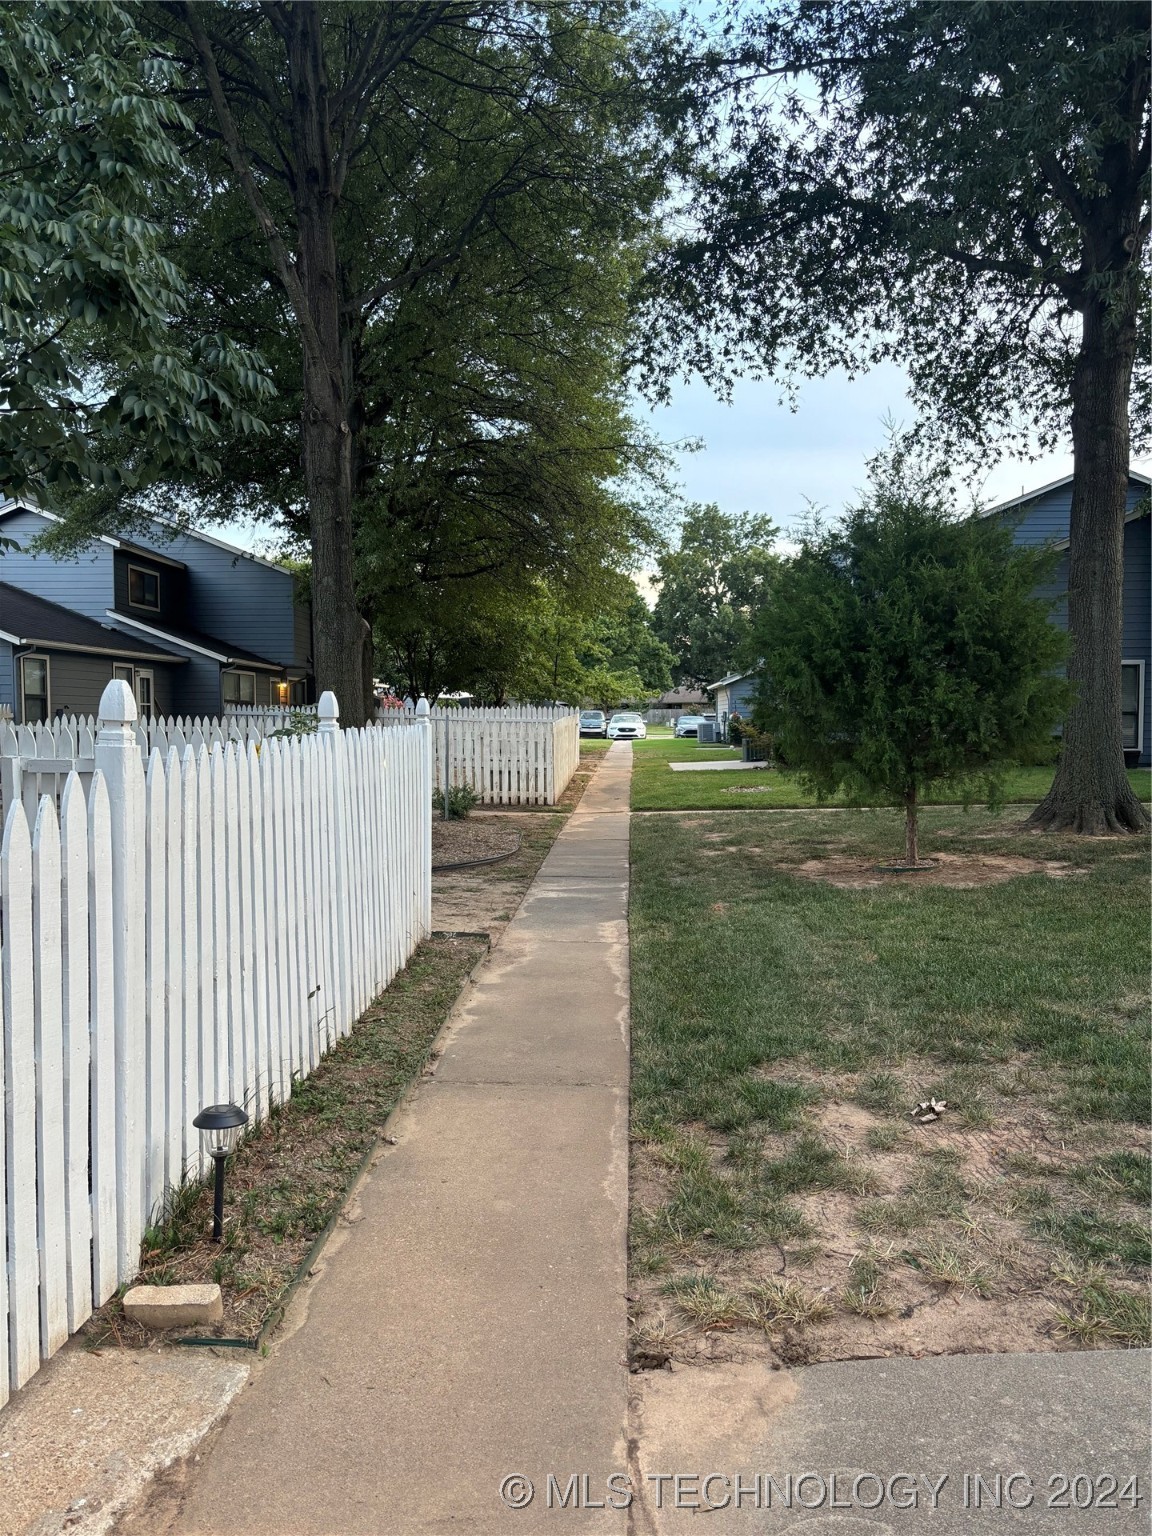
137	674
237	672
144	571
47	660
1138	663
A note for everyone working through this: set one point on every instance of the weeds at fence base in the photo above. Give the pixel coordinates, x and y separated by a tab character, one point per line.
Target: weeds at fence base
290	1176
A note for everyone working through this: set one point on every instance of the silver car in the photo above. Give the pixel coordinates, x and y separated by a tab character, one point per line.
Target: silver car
689	725
593	722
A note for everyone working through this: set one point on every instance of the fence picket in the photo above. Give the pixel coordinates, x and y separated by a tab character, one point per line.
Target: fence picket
102	1037
49	1054
155	978
76	1055
17	988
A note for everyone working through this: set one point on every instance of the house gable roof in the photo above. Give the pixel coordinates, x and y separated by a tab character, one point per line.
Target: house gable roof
136	547
733	677
28	620
196	641
1027	497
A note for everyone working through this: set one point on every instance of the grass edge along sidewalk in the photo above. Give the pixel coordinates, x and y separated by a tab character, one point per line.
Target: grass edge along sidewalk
783	1027
656	788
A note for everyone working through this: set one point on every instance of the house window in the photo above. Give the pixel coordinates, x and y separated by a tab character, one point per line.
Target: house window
143	588
1132	705
239	687
144	702
34	686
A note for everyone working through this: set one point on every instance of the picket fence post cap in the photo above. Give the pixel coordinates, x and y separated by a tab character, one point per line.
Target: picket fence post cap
422	709
328	708
117	704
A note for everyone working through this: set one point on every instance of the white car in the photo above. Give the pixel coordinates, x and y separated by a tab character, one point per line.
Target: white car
689	725
627	727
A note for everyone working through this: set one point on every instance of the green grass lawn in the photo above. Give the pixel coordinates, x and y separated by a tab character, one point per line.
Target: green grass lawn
783	1028
656	788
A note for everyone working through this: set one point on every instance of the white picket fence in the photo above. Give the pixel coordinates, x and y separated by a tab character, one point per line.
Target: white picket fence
198	931
518	754
35	760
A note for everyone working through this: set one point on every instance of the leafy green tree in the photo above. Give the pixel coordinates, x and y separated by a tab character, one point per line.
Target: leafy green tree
964	188
86	135
709	586
536	645
905	650
622	641
368	176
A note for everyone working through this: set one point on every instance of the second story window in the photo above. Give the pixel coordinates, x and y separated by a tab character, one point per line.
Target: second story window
143	588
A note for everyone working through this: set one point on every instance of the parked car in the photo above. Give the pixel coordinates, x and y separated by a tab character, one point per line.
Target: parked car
627	727
593	722
689	725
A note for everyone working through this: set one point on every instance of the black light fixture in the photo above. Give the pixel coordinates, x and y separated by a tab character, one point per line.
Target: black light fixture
220	1126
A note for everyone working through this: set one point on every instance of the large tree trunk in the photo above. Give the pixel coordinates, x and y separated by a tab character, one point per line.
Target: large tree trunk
1091	793
340	636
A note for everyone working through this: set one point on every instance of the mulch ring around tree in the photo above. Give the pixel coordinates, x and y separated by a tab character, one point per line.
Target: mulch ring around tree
458	841
961	871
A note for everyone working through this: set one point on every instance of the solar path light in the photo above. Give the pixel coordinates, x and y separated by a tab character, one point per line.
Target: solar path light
220	1126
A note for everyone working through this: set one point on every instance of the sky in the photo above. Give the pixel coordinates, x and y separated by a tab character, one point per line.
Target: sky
762	457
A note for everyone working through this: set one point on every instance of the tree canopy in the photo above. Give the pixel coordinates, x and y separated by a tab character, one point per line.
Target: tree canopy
962	187
95	388
709	584
905	649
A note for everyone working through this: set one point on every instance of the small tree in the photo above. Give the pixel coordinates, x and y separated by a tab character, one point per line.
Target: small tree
905	649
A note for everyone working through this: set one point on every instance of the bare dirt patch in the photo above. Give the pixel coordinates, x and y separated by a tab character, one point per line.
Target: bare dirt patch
961	871
483	899
951	1238
456	841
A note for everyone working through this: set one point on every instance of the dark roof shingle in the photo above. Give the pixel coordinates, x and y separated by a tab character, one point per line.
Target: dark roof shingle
35	621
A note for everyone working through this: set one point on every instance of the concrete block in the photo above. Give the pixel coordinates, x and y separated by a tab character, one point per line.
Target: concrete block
173	1306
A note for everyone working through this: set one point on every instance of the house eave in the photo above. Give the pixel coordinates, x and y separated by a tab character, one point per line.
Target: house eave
94	650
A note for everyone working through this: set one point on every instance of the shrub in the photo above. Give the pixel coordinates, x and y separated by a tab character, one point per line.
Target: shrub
461	800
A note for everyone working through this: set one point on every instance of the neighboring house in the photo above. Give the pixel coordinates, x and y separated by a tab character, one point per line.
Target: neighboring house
194	625
734	695
1042	517
680	701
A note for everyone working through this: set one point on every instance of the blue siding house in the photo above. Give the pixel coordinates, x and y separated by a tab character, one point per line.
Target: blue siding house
194	625
733	695
1042	517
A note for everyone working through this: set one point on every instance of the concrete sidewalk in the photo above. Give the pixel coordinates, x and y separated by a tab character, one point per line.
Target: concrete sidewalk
469	1322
